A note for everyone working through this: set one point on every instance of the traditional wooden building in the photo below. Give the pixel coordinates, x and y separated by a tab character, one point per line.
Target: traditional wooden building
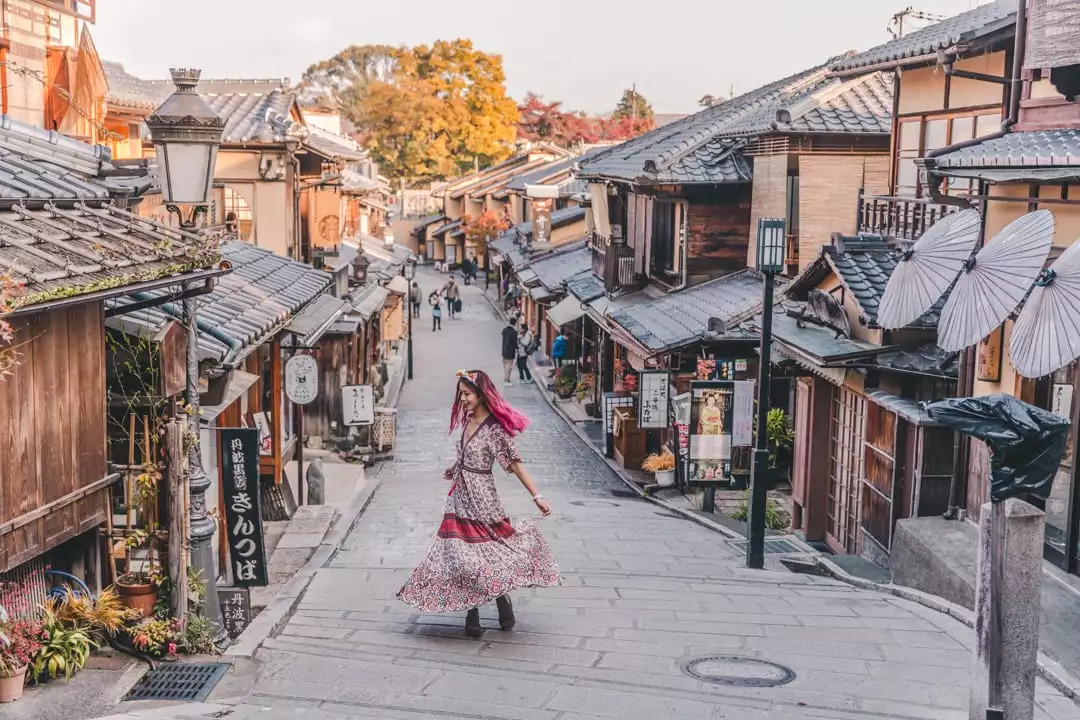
65	238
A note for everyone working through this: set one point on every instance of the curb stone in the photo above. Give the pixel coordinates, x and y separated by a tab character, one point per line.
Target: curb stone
1051	671
194	711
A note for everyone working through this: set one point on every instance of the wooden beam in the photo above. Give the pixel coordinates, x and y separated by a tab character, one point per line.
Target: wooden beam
59	503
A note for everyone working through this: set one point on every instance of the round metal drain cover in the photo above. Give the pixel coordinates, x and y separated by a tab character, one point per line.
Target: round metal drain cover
594	503
735	670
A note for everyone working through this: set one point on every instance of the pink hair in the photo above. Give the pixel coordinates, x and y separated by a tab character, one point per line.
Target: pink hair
511	420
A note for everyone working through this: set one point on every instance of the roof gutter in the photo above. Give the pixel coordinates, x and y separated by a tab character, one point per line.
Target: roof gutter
887	65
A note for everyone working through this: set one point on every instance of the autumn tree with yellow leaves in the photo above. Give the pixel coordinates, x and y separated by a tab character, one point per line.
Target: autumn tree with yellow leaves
426	112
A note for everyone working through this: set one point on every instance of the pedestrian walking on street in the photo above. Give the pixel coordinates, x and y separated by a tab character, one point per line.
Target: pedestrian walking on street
478	555
452	292
509	351
435	300
526	346
558	349
415	296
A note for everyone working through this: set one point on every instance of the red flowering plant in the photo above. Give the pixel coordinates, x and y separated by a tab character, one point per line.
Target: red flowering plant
20	641
158	637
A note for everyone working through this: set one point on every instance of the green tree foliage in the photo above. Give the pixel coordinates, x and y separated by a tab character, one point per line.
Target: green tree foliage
633	105
443	109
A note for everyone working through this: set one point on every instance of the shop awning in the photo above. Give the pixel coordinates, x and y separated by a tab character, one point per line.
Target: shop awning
312	322
239	383
565	311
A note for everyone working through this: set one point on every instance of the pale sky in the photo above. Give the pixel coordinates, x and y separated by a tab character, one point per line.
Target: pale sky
583	53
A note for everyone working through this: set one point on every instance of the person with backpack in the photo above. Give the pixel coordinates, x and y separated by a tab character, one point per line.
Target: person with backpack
526	346
435	300
509	351
452	292
414	299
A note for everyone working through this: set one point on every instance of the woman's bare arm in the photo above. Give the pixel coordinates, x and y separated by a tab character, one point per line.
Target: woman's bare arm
518	468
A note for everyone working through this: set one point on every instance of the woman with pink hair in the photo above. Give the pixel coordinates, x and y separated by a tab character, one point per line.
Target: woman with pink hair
477	555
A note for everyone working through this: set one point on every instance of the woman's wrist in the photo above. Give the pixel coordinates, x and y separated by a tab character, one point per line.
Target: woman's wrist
537	496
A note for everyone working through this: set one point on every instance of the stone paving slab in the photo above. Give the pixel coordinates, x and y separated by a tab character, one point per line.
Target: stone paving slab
645	592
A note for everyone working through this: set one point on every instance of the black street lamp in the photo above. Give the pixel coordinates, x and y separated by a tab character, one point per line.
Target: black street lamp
771	244
410	273
186	133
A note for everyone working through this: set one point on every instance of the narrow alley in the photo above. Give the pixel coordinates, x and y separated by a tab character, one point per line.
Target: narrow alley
645	594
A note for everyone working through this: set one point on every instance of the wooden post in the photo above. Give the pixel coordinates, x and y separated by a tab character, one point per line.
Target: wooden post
179	532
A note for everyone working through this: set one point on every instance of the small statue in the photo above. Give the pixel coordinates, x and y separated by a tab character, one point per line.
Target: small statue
316	483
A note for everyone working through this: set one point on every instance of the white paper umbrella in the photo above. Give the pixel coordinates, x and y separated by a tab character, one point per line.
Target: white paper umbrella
1047	332
995	283
927	270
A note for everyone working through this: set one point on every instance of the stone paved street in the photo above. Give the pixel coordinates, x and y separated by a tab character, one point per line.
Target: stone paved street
644	592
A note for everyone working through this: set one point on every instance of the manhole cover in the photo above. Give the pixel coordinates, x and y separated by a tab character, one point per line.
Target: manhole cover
594	503
735	670
191	682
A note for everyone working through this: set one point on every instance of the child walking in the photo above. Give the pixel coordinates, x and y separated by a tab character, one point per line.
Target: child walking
435	300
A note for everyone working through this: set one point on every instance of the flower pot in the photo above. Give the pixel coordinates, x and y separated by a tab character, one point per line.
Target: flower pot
11	687
138	596
665	478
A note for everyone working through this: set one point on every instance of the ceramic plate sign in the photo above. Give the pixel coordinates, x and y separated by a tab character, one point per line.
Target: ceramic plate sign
302	379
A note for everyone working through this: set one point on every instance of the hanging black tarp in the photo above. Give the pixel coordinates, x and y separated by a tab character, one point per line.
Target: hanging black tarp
1026	443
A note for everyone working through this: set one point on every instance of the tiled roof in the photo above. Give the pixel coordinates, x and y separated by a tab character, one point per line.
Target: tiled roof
316	317
43	165
965	27
585	286
129	91
424	222
820	344
60	236
369	299
680	318
704	147
452	225
864	264
560	170
927	359
1036	148
254	112
554	269
333	146
559	218
249	304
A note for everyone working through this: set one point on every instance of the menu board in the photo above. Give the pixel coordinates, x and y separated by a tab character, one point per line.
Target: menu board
653	402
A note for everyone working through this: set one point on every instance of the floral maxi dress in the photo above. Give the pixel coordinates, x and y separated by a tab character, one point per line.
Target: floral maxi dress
477	554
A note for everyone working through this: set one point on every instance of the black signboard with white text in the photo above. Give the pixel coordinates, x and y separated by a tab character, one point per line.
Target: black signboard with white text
243	519
235	609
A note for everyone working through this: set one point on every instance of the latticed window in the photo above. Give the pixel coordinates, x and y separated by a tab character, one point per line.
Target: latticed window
846	467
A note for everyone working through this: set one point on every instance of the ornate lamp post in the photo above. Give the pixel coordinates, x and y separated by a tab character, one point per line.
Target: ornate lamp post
186	134
771	243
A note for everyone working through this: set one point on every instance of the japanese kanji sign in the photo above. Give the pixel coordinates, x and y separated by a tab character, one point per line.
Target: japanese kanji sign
358	405
742	415
653	403
235	609
243	520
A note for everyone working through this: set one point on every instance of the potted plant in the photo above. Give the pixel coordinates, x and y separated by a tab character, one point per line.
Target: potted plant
584	392
19	643
781	439
662	466
138	589
63	650
566	383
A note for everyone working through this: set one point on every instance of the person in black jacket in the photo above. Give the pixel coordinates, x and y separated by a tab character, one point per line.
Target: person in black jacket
509	351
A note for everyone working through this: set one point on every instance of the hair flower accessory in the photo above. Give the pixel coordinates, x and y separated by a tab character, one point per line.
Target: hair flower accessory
469	375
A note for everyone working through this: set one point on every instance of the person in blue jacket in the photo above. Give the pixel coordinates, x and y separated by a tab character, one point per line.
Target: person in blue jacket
558	349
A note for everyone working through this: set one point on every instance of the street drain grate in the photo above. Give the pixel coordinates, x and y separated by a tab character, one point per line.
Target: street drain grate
738	671
626	494
186	682
773	546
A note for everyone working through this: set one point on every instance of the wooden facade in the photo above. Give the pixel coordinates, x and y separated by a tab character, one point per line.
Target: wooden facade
718	229
53	471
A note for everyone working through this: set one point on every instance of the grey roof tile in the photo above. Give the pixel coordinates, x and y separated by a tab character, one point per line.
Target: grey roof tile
129	91
257	298
679	319
705	147
927	359
333	146
553	270
585	286
965	27
315	316
1036	148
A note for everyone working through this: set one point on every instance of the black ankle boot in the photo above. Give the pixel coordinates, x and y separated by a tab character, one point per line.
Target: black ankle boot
506	613
472	623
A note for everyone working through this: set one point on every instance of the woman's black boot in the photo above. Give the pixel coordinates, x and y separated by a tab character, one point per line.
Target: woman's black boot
506	613
472	623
